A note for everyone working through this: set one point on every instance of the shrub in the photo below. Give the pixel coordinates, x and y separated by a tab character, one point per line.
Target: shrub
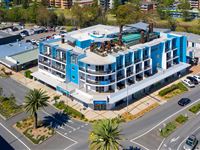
168	129
69	110
182	87
168	90
181	119
195	108
27	74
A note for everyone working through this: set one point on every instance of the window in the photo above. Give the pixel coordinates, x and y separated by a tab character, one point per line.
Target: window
73	77
74	59
73	68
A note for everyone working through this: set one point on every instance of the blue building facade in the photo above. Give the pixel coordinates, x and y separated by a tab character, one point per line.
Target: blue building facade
101	80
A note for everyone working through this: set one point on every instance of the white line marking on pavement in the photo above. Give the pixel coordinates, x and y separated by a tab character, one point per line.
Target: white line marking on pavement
161	144
15	136
165	120
78	128
58	120
75	142
82	126
179	146
174	139
140	145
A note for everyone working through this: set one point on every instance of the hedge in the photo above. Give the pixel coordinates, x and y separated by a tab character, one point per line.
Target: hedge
168	90
172	88
27	74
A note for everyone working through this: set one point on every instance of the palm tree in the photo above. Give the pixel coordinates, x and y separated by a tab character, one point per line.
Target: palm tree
34	100
105	135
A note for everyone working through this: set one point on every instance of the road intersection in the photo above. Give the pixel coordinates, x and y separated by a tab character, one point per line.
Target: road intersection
73	134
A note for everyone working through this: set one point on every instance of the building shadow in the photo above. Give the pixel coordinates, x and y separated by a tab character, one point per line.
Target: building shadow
4	144
56	120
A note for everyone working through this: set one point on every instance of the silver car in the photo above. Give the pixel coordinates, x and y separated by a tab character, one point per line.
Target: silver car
190	143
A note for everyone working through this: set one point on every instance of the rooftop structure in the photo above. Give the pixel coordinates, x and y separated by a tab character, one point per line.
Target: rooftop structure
93	67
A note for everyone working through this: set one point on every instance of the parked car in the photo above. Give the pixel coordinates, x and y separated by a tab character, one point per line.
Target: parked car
196	77
184	101
190	143
193	80
188	83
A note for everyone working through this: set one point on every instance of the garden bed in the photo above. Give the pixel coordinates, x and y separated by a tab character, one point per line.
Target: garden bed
9	108
195	109
173	90
69	110
36	136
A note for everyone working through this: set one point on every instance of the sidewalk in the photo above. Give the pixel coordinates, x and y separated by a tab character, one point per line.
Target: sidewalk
139	107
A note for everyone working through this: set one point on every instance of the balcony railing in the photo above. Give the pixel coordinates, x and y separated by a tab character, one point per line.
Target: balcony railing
45	62
119	67
60	59
147	67
59	68
138	70
119	77
105	82
100	71
47	54
129	73
145	57
136	60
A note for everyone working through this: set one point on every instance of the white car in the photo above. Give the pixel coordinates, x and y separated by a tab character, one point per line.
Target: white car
197	77
188	83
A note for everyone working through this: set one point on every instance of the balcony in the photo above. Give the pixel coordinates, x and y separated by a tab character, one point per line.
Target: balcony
47	54
106	82
100	71
119	67
128	63
59	68
138	70
60	59
147	67
145	57
136	60
129	73
45	62
119	77
82	69
120	86
130	82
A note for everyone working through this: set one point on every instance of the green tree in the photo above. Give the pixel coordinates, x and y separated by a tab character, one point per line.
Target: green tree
61	19
1	91
34	100
126	14
25	4
105	135
172	23
184	5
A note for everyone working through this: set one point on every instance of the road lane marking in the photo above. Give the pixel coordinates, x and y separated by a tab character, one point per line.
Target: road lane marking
140	145
174	139
161	144
58	120
179	146
15	136
165	120
75	142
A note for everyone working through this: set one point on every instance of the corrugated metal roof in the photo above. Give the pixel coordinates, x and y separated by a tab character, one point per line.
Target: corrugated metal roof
26	56
15	48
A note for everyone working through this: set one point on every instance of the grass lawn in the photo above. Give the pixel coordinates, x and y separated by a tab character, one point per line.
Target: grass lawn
173	90
36	136
8	107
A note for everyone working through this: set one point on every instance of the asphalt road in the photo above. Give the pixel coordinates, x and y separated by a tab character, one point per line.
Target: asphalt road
176	140
75	133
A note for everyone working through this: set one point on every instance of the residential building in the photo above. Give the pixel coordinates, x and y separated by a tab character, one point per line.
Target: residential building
89	65
106	4
194	4
66	4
